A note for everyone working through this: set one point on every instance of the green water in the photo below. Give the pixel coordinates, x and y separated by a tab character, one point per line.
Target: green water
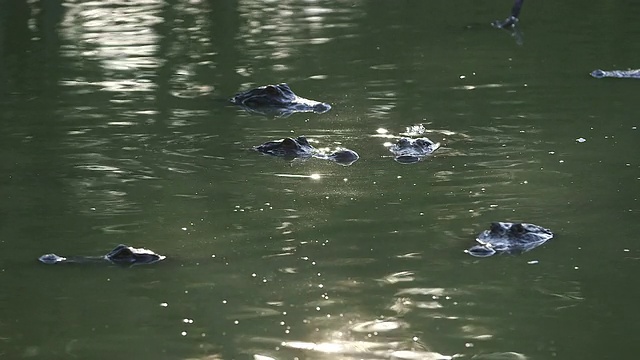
116	130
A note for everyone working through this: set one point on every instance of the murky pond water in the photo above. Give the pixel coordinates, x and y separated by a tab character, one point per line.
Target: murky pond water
116	129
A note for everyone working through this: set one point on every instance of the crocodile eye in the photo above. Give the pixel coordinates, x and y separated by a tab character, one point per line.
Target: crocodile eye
272	90
289	143
496	227
302	140
518	228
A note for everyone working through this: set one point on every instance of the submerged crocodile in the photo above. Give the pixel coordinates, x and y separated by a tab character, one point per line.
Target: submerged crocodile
121	255
623	74
509	238
512	20
510	24
299	148
409	151
277	100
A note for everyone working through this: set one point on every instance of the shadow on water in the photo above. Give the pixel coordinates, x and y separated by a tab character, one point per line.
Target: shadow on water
30	48
30	72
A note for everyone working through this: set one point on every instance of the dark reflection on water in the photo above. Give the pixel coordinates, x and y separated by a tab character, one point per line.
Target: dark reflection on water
117	129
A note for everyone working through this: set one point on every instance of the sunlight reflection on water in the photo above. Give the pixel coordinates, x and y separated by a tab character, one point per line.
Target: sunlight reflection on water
346	350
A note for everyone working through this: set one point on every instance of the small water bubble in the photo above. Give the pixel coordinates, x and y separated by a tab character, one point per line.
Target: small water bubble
581	140
184	333
164	304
